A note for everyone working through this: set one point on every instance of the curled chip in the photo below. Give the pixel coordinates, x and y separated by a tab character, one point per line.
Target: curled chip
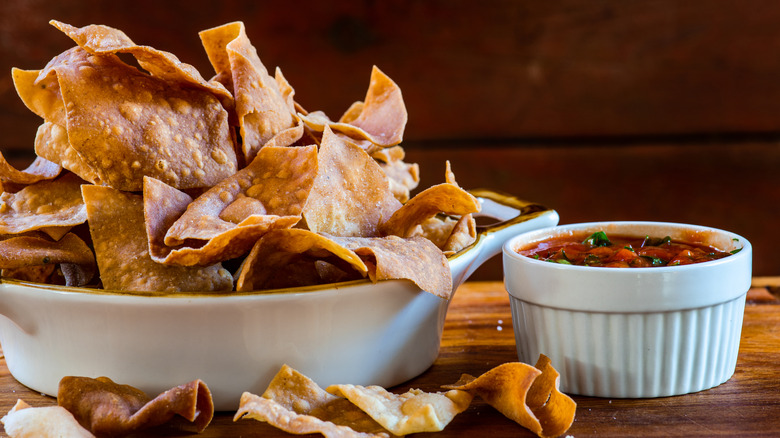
380	119
40	169
264	105
525	394
447	198
107	408
412	412
45	204
296	404
351	195
116	223
295	257
403	176
226	221
24	421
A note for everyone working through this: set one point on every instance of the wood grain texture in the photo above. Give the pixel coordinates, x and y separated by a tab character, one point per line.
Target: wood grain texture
498	69
478	335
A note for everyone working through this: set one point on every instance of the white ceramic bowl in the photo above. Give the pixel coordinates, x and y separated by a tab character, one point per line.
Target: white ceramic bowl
632	332
354	332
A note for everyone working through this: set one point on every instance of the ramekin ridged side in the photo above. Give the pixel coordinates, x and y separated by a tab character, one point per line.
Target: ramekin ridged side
636	355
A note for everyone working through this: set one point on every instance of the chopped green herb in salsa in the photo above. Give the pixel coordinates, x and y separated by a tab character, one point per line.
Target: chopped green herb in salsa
601	250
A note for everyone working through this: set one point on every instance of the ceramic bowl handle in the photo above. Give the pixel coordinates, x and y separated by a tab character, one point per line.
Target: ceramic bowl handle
507	216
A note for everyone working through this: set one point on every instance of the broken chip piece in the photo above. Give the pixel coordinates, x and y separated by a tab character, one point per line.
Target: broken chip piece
25	421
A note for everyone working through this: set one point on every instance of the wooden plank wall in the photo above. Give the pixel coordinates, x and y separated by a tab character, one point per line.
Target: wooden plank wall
606	109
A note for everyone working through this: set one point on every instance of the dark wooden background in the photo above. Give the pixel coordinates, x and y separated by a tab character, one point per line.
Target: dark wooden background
604	110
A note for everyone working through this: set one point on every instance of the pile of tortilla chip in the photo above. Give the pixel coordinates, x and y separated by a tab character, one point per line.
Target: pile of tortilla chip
526	394
150	178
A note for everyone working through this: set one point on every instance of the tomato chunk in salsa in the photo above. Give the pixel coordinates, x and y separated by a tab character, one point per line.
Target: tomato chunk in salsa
601	250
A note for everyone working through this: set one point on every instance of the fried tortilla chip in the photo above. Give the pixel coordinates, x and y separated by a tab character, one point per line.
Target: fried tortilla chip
525	394
296	404
103	40
449	234
392	257
40	169
51	143
262	107
41	93
24	252
107	408
289	258
116	223
226	221
412	412
44	204
25	421
444	198
125	124
404	177
351	195
380	119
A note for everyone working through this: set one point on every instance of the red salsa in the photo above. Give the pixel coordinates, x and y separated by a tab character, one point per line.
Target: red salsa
601	250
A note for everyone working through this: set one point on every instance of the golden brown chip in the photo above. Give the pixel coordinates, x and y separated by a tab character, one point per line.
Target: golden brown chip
40	169
525	394
380	119
107	408
226	221
412	412
288	258
262	107
116	222
51	143
444	198
41	92
404	177
351	195
104	40
296	404
25	421
392	257
24	252
44	204
126	124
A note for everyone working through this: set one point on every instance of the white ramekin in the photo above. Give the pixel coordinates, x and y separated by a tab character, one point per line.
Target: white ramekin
634	332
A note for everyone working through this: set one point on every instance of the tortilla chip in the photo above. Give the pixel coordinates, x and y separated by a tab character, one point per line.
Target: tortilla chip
525	394
392	257
444	198
226	221
380	119
30	250
404	177
126	124
110	409
24	421
104	40
296	404
40	169
412	412
288	258
51	143
116	223
41	94
263	109
351	195
44	204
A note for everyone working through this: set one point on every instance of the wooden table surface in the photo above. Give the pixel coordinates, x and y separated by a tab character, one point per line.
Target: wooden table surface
478	336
